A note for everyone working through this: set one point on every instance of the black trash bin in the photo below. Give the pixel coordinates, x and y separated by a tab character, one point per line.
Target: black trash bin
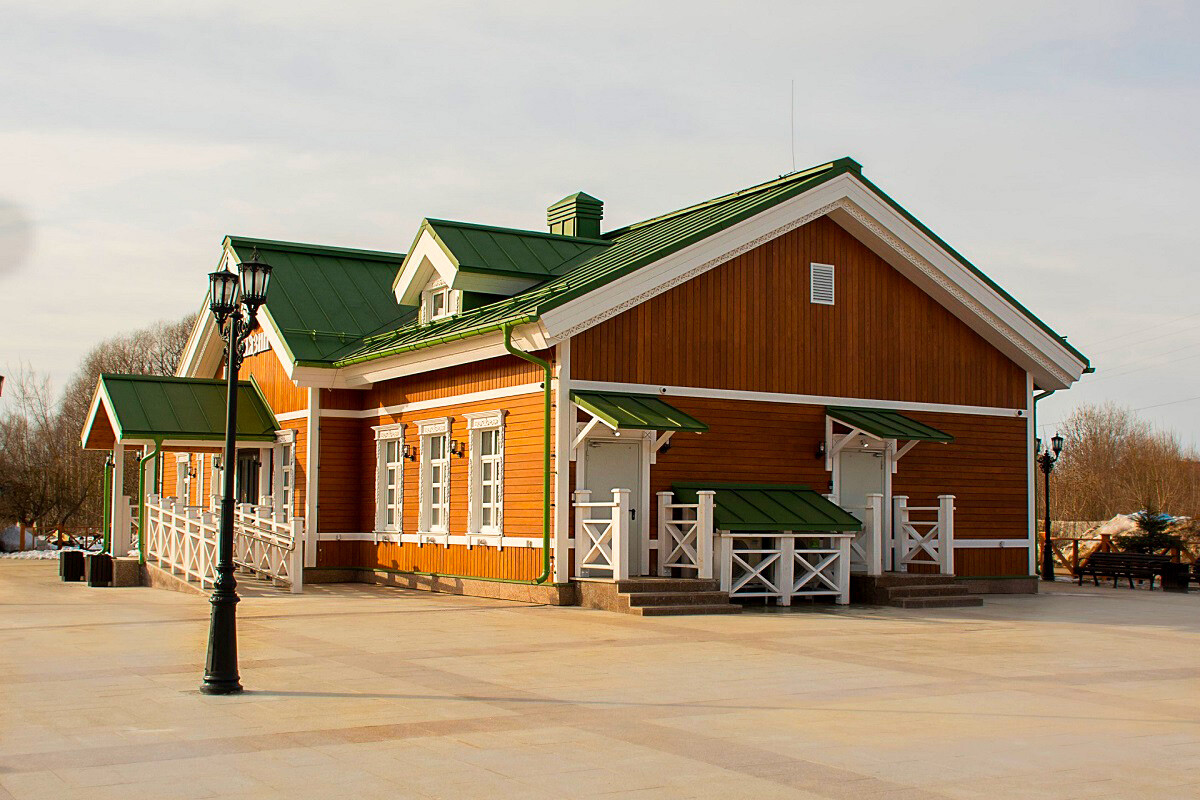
70	565
1175	578
99	569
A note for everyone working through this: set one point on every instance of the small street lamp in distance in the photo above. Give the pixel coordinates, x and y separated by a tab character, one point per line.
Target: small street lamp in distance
1046	461
234	300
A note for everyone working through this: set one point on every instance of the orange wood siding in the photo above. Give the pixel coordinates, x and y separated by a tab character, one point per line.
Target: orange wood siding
282	394
777	443
300	475
513	563
748	325
493	373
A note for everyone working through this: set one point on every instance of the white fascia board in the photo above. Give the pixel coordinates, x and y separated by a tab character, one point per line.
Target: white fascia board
975	302
461	351
491	282
99	398
204	351
424	259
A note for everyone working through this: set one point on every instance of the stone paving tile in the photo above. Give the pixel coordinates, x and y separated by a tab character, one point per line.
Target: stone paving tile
365	692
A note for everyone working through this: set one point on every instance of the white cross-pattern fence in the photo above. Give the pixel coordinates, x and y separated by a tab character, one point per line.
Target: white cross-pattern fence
685	535
602	536
785	565
923	535
182	539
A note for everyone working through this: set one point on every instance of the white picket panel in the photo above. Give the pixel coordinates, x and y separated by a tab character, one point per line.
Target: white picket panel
923	534
602	536
685	534
785	565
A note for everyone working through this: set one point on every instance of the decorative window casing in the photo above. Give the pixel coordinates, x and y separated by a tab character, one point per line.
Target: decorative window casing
820	283
183	481
389	478
485	488
283	472
438	301
434	506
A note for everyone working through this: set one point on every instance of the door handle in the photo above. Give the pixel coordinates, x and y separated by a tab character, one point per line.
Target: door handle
633	513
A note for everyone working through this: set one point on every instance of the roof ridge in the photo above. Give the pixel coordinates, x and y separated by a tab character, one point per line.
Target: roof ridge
520	231
305	247
166	378
797	175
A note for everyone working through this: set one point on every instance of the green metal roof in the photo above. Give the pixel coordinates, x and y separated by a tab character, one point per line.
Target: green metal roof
154	406
510	251
769	507
887	424
322	299
644	412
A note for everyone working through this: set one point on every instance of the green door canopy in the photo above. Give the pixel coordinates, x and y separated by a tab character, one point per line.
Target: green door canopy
887	424
639	412
769	507
158	407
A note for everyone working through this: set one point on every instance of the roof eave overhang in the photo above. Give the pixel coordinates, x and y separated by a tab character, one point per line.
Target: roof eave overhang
872	218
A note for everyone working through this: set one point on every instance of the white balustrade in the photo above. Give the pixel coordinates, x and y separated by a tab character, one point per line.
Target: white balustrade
183	540
923	535
785	564
685	534
602	536
867	547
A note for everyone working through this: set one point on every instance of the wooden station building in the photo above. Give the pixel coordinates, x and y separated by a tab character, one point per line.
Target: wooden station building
767	392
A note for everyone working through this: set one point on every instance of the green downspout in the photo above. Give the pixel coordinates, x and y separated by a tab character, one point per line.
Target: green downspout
546	421
142	499
106	525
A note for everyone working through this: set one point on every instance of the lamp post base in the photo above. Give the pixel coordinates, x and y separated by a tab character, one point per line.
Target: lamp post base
221	669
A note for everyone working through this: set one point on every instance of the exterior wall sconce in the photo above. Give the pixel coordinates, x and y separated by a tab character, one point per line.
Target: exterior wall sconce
820	451
458	448
409	452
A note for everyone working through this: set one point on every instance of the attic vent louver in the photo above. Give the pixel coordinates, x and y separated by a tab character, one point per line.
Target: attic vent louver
821	283
576	215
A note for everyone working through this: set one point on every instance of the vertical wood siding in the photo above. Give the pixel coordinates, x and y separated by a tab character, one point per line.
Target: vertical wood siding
748	325
493	373
282	394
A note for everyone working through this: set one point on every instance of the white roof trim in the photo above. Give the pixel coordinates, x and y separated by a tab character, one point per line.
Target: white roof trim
859	209
426	259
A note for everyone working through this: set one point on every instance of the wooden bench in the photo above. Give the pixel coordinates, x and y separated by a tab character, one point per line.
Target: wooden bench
1123	565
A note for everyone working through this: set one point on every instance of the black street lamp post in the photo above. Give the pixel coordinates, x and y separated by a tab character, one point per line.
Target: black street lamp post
1045	461
235	309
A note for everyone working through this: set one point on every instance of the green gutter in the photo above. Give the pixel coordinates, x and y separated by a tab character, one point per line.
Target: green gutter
142	499
425	343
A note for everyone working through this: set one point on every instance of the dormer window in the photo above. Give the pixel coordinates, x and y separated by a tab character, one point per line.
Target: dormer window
438	301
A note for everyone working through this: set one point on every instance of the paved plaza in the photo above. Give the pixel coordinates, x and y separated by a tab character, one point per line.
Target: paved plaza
364	692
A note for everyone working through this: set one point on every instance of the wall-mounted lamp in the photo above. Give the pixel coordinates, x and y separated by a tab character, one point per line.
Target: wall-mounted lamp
665	447
820	451
191	471
409	452
458	448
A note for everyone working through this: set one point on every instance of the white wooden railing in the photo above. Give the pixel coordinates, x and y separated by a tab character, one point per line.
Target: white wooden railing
923	535
602	536
785	565
183	540
685	534
868	546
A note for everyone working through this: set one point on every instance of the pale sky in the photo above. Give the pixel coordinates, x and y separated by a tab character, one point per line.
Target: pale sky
1053	144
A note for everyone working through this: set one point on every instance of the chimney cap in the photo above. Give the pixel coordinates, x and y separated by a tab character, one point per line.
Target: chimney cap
576	214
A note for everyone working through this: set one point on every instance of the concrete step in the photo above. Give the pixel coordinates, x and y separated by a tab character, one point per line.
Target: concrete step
659	585
676	598
688	610
926	590
910	578
961	601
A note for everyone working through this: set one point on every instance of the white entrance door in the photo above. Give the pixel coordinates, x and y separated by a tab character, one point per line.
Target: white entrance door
860	472
612	465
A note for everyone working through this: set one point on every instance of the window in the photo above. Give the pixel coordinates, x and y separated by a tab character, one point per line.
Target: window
200	479
435	475
821	283
389	482
183	482
438	300
486	488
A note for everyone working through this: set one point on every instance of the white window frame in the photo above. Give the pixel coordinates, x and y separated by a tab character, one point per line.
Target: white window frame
477	424
451	307
428	430
283	473
385	435
200	479
813	269
183	480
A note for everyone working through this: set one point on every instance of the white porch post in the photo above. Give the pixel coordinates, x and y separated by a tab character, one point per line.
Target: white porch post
264	475
119	537
946	533
899	519
581	538
620	534
564	430
785	568
875	537
313	432
843	570
664	549
704	534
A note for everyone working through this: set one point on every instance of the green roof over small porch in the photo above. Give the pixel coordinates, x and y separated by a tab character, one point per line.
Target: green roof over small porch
769	507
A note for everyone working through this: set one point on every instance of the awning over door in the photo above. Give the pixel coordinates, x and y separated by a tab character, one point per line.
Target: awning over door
643	412
887	424
769	507
154	407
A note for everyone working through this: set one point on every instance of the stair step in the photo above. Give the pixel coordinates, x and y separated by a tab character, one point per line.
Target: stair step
676	598
660	585
688	610
910	578
926	590
961	601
